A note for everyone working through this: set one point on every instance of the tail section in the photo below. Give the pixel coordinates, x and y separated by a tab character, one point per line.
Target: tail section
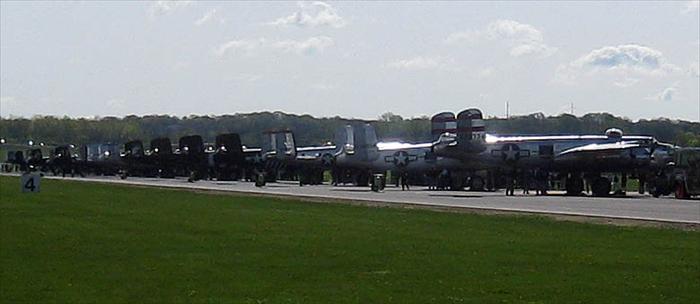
229	143
358	140
192	145
279	144
471	130
133	148
441	123
161	146
345	140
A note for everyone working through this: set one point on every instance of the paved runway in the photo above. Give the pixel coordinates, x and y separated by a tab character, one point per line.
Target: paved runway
634	206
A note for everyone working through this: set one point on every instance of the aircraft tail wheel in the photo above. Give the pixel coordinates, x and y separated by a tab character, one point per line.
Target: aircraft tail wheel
681	193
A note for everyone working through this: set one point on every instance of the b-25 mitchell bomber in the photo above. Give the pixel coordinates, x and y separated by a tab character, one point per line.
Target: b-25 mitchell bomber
360	153
574	156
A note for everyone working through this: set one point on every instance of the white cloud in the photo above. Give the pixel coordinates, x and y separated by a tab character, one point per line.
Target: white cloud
522	39
622	56
621	60
239	45
209	16
417	63
691	6
312	15
159	8
308	46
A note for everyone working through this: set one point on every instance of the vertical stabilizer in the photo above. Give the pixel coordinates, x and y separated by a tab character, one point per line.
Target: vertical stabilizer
229	143
358	140
279	144
161	146
191	145
441	123
471	130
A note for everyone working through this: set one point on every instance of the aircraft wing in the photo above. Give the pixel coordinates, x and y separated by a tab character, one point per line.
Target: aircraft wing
606	155
601	148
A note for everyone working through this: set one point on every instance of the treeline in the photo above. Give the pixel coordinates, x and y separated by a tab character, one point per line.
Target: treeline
316	131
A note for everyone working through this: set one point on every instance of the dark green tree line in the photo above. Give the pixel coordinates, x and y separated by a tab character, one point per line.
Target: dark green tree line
315	131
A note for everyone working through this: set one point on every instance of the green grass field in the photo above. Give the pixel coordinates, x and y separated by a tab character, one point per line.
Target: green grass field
78	242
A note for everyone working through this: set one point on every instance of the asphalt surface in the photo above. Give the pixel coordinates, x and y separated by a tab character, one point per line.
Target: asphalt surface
632	207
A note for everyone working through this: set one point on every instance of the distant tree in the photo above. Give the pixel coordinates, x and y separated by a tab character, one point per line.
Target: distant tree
390	117
315	131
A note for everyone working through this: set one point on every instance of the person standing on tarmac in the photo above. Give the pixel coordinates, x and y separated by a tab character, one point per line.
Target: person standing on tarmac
404	181
510	182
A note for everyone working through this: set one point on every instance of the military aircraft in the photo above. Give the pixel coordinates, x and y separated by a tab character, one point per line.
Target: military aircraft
281	156
162	157
102	159
64	161
360	154
574	156
137	161
228	158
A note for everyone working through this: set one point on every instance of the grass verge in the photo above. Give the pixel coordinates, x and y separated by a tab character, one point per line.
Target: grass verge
81	242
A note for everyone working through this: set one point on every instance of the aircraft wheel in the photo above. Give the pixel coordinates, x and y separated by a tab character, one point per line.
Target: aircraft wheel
680	192
477	184
601	187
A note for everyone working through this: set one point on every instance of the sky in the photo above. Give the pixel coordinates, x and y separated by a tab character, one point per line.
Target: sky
350	59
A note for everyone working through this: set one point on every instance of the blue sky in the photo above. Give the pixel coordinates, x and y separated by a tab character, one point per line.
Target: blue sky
353	59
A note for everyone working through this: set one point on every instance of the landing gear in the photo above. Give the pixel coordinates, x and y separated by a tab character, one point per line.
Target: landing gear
260	179
601	187
642	183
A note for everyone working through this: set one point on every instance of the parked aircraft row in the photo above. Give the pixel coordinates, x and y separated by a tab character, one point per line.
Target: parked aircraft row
461	155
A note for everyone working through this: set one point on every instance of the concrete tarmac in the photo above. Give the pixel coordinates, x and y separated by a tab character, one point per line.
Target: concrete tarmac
631	207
